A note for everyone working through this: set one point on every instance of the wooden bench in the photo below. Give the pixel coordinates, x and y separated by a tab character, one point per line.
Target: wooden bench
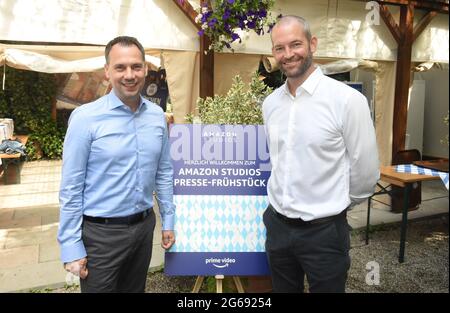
12	163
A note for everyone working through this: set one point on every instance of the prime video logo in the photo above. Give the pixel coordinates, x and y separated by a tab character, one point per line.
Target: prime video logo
220	263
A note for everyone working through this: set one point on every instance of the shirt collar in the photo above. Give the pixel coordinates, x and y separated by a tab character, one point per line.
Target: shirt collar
115	102
310	84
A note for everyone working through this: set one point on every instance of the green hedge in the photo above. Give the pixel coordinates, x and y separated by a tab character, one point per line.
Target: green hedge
28	98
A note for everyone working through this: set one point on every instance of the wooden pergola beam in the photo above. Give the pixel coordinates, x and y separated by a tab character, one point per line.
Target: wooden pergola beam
206	60
405	34
423	23
390	23
429	5
188	11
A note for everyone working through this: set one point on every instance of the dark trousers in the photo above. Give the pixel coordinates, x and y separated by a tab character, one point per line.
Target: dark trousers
319	251
118	255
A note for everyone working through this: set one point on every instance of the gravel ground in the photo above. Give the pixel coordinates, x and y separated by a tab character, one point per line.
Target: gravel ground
425	268
426	258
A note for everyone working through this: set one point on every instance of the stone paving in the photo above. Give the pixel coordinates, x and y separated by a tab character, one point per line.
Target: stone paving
29	213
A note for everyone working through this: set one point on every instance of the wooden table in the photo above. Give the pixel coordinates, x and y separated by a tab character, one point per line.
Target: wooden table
14	160
406	180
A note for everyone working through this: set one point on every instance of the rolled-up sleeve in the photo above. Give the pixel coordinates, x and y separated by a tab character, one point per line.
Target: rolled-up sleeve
360	140
77	145
164	185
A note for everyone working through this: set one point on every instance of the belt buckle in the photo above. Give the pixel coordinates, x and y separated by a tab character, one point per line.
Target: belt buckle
323	220
134	219
318	221
129	220
138	217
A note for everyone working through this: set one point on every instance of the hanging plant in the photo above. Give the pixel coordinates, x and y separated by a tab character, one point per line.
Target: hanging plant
224	22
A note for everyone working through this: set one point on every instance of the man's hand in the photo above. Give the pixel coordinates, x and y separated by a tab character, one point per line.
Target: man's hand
168	239
77	267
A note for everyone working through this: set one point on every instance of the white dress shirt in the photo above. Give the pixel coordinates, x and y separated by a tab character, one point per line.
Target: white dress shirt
322	147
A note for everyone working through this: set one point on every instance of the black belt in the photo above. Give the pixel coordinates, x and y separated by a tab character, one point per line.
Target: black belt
126	220
300	222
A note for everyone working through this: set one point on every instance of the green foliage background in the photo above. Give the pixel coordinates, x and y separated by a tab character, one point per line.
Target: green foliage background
241	105
28	98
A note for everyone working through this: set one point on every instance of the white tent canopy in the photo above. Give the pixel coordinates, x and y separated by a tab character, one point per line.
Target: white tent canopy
157	24
345	28
38	62
354	30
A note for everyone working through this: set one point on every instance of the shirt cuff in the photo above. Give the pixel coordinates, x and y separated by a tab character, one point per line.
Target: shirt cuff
168	222
357	200
73	252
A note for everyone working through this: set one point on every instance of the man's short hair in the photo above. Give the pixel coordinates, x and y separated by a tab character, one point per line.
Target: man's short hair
289	18
124	41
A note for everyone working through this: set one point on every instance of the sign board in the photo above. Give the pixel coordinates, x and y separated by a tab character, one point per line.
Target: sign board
369	96
220	193
356	85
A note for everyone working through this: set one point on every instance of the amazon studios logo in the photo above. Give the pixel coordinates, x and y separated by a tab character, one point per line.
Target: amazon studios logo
220	263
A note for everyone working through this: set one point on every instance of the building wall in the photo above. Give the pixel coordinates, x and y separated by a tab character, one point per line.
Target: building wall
436	108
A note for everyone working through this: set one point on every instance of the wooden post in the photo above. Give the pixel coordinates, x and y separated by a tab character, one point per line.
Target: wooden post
402	79
238	283
206	63
219	283
405	34
206	68
198	284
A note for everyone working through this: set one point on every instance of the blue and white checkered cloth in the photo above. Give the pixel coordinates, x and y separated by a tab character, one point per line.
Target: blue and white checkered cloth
413	169
219	223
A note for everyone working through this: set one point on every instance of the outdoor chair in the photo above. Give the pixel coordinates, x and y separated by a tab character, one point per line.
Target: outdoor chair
415	198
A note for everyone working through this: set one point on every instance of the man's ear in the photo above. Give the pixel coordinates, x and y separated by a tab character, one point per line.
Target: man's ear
106	71
146	69
313	44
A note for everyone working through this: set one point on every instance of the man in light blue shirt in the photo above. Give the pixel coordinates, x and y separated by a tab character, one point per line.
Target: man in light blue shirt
116	154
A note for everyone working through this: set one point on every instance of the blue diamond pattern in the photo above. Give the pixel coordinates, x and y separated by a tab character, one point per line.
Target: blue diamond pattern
236	230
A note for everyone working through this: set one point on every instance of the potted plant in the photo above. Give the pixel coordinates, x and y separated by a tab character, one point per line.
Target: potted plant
241	105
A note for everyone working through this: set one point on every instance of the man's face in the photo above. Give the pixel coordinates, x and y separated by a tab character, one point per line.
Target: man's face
292	50
126	72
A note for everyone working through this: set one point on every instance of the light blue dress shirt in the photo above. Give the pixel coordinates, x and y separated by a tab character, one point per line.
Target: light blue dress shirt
113	161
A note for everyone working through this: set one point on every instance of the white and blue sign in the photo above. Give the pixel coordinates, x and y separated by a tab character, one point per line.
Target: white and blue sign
220	191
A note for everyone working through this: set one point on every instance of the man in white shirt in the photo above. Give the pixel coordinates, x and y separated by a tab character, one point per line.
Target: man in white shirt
324	159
